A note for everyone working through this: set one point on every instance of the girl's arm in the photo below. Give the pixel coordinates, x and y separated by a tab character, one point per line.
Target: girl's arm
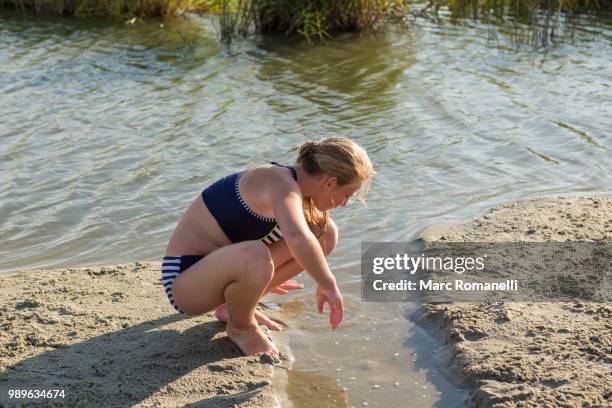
287	206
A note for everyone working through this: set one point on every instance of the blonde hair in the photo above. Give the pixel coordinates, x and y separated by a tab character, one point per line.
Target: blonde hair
338	157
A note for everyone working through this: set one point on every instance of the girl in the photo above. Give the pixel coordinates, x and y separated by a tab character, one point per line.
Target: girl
250	232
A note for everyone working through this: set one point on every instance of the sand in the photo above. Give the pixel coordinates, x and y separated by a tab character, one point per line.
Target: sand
108	337
529	354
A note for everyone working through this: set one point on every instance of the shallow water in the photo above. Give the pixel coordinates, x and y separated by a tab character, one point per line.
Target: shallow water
376	357
108	131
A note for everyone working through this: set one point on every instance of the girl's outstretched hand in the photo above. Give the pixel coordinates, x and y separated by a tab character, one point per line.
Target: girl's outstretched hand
286	286
336	304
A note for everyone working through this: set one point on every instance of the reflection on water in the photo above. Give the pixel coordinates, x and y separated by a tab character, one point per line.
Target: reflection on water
108	132
339	81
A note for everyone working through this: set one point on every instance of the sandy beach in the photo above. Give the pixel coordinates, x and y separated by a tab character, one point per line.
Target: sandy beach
106	336
529	354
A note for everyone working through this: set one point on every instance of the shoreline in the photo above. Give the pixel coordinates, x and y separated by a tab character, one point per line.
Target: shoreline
108	336
523	354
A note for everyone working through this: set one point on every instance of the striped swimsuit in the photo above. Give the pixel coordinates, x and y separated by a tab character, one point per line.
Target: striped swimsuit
237	220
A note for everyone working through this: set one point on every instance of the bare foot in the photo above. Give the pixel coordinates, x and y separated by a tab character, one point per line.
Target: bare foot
251	340
222	314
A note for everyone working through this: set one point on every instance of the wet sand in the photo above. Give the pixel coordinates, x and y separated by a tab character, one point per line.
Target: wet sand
108	337
529	354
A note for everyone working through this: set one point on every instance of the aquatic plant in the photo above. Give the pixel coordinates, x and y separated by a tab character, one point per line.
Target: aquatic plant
112	8
539	22
309	18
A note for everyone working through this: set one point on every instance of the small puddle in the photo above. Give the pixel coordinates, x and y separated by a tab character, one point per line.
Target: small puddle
377	357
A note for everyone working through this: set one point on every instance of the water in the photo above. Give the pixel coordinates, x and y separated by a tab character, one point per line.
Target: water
108	131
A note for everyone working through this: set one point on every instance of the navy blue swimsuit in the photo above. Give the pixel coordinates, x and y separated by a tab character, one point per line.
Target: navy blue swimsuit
237	220
234	216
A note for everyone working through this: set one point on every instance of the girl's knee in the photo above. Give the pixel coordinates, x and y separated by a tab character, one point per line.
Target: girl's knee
259	264
329	239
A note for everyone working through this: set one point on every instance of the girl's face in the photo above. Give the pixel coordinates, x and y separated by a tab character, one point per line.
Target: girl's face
333	196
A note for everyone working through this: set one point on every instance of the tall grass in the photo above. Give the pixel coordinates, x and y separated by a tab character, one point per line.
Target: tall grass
318	18
113	8
308	18
539	22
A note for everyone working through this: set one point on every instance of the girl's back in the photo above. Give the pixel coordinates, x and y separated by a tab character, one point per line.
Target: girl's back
235	208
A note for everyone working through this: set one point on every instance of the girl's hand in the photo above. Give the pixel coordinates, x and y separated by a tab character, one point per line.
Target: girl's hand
336	304
286	286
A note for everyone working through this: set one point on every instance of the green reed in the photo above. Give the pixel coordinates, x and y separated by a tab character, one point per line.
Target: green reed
112	8
308	18
311	19
539	22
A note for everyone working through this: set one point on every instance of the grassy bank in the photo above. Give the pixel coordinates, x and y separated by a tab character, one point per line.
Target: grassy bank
308	18
312	19
112	8
538	21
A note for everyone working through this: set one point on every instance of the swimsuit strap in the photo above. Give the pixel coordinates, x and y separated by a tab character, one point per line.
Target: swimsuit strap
293	172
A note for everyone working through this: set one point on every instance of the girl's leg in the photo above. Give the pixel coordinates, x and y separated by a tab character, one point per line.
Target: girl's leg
237	275
285	268
287	271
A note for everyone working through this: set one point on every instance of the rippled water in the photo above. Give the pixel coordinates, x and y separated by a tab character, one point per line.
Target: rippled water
108	131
